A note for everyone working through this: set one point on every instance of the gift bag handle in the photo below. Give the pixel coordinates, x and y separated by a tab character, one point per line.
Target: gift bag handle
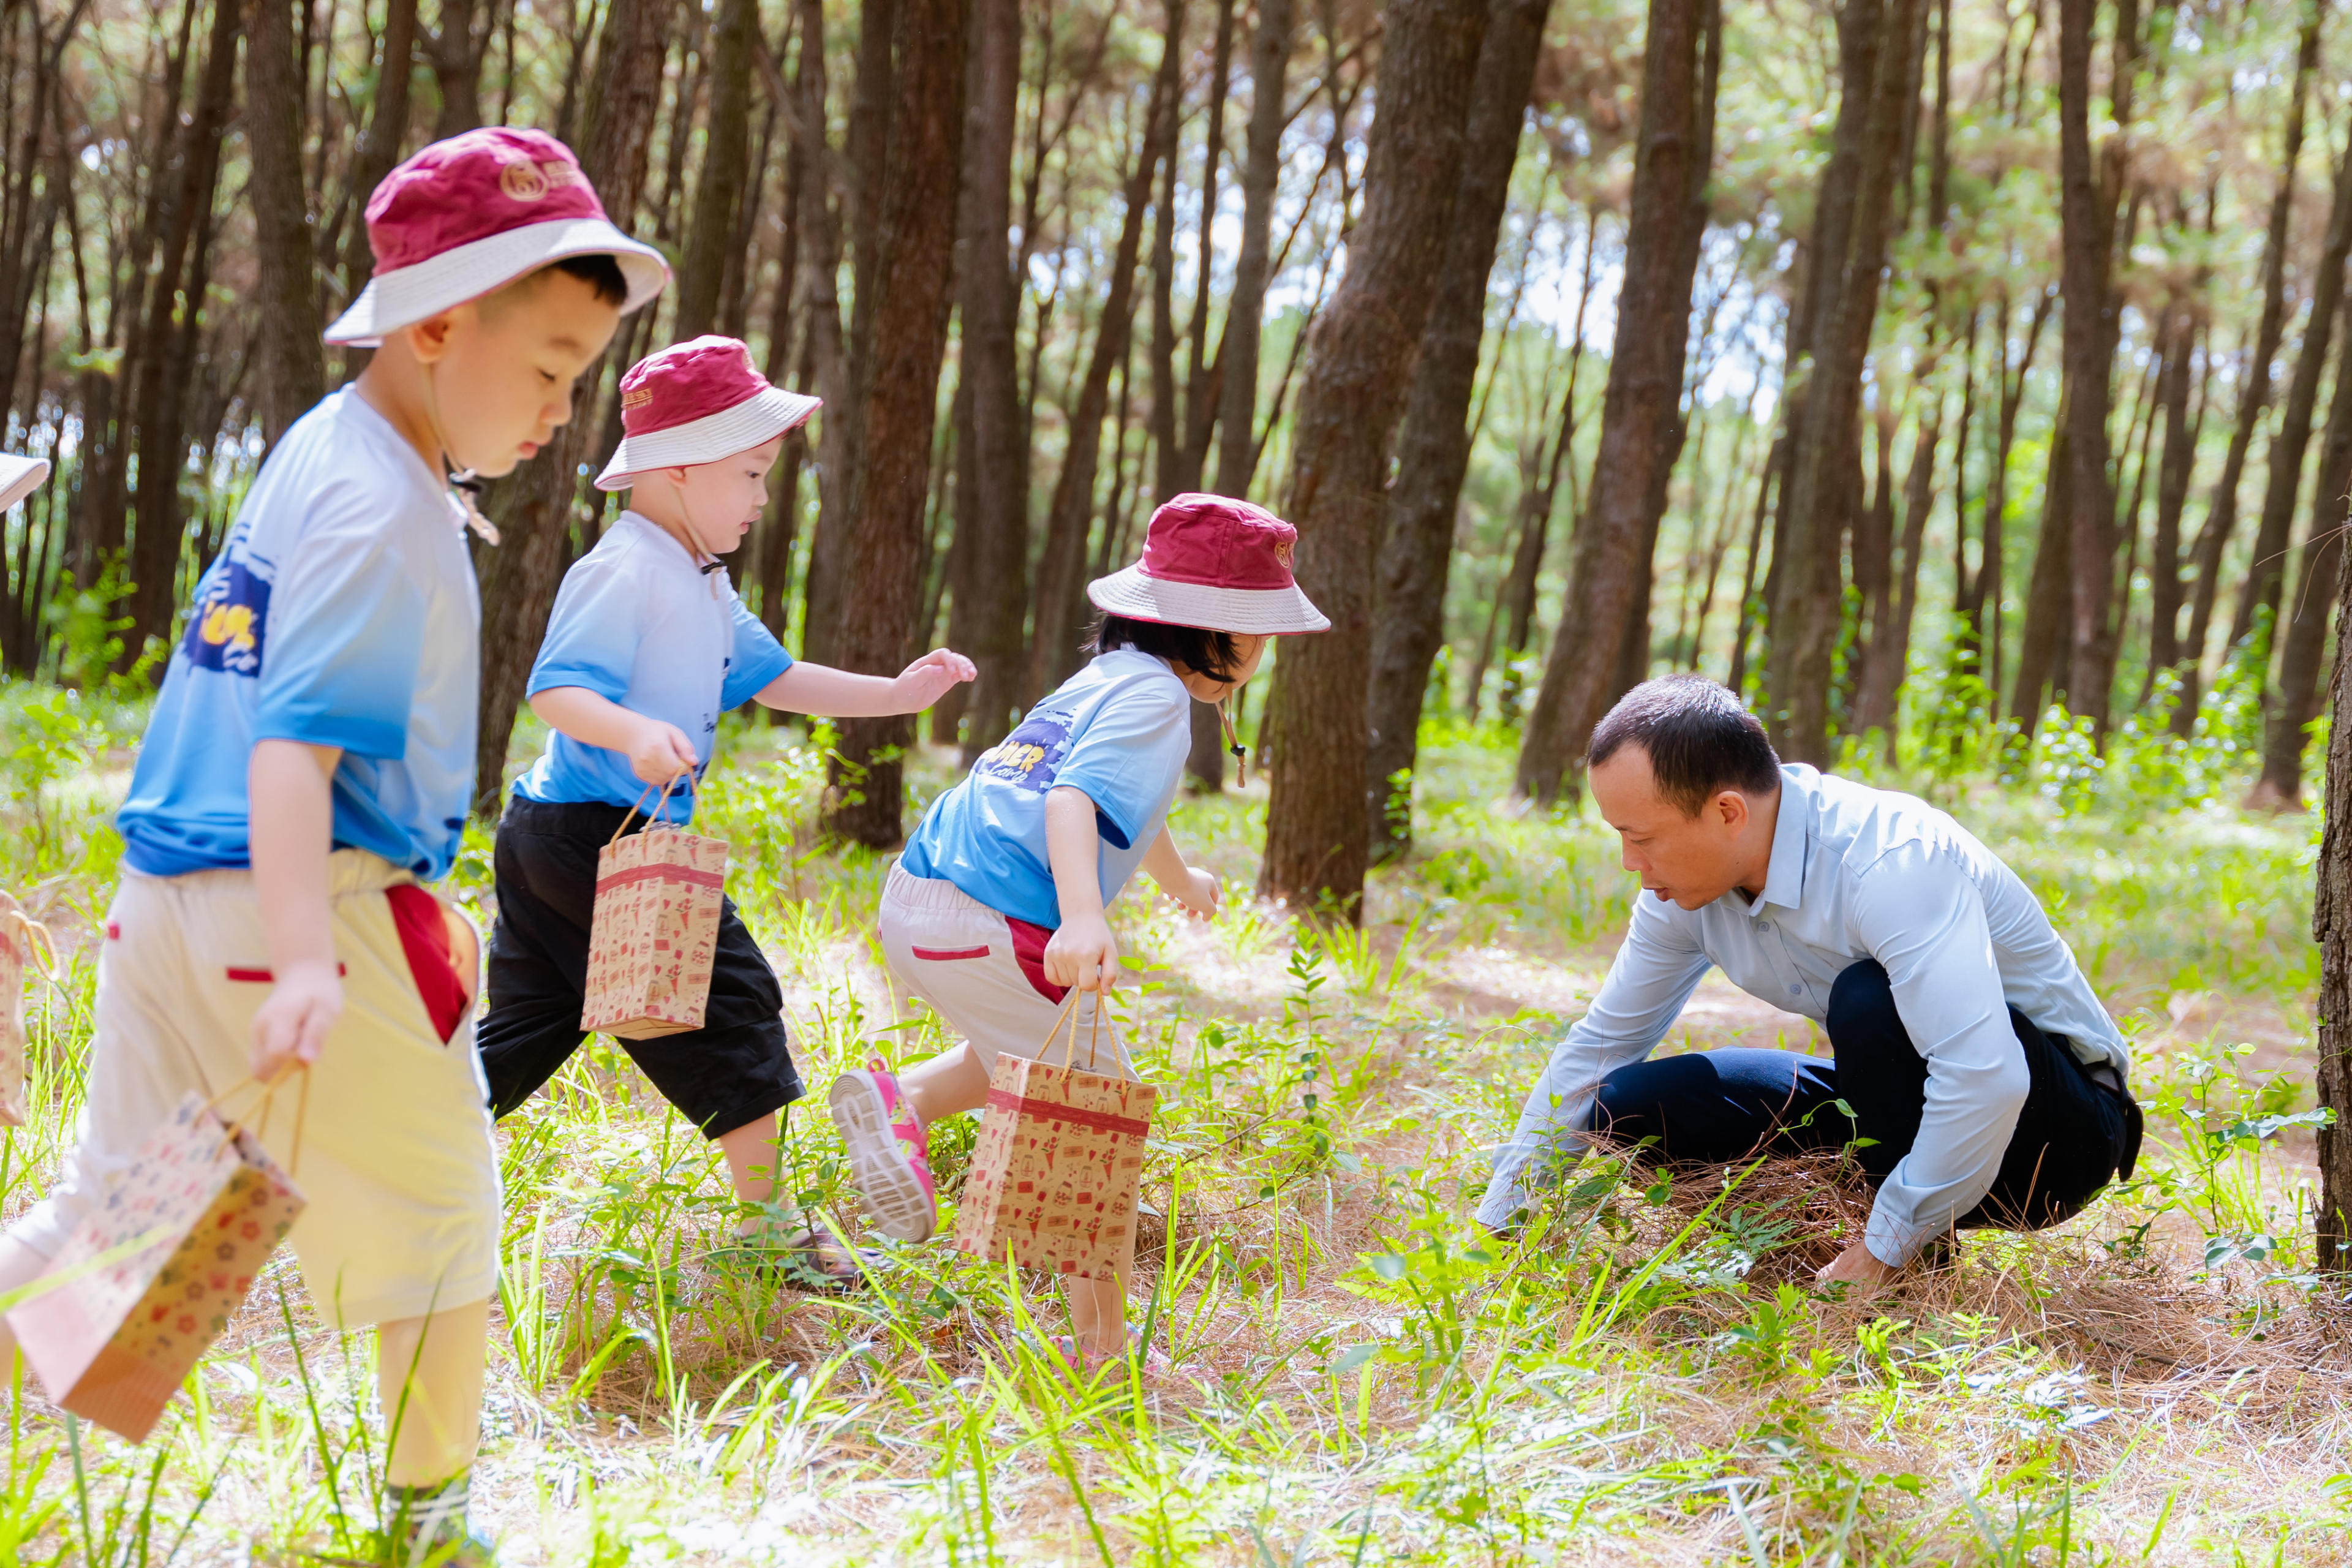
41	954
660	807
1069	1014
270	1088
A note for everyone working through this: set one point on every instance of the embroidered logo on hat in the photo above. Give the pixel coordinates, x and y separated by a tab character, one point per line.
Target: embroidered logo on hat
524	181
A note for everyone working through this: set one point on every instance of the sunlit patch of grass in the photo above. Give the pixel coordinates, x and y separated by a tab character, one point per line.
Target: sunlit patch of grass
1361	1374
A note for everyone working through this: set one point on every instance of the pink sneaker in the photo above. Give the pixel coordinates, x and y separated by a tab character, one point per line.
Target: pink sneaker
890	1152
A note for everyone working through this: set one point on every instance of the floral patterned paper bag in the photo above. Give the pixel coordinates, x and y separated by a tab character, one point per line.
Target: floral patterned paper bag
1055	1169
655	933
117	1337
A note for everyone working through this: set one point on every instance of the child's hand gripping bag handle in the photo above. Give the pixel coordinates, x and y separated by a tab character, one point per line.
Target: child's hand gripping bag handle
651	817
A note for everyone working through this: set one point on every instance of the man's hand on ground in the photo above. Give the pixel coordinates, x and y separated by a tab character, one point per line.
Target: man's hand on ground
1857	1266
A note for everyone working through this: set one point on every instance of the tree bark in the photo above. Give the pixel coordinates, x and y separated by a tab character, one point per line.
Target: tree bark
2086	206
1873	35
913	281
456	51
987	619
292	366
2179	456
720	193
2221	513
2331	924
2049	590
2267	572
379	146
1061	567
167	347
1433	443
2302	638
1358	367
534	508
1640	411
1245	305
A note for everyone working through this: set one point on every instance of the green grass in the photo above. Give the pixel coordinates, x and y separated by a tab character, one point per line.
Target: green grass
1361	1375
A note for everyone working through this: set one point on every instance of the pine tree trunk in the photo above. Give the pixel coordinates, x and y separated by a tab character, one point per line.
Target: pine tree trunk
534	508
913	279
2087	349
988	617
292	372
1640	416
2221	513
1358	366
379	146
2048	589
2267	571
2302	637
167	346
2173	469
720	195
1873	35
1060	601
2331	924
1433	444
1245	305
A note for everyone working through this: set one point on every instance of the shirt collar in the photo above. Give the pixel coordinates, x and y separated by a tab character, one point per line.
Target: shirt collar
1784	876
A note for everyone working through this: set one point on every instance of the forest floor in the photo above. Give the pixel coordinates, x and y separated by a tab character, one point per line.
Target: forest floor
1359	1375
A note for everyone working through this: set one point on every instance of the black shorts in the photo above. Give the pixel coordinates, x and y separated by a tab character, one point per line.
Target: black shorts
730	1072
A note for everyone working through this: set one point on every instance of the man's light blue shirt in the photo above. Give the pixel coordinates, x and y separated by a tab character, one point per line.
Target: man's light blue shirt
1855	873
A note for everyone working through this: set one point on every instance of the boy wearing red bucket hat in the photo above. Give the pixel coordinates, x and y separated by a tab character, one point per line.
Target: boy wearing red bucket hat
307	772
995	913
647	645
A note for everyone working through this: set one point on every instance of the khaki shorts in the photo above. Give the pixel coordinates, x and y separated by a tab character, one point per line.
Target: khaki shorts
983	974
395	1156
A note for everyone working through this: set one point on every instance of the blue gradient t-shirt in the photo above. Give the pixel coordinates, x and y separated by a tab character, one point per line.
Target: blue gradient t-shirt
341	612
1119	730
639	622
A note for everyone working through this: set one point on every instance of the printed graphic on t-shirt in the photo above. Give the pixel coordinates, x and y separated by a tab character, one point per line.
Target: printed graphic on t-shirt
230	619
1030	755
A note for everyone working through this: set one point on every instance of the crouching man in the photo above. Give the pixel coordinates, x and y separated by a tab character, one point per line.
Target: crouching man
1981	1070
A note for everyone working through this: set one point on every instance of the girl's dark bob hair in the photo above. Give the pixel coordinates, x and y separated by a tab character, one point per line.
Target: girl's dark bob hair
1197	648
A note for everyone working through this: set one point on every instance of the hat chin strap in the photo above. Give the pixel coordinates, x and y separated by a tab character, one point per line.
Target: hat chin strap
467	485
704	561
1233	741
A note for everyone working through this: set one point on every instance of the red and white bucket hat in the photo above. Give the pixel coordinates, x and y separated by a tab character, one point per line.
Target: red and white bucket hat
472	213
1217	563
694	403
20	477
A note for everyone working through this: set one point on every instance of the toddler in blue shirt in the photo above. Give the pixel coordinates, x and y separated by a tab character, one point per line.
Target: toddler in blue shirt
647	646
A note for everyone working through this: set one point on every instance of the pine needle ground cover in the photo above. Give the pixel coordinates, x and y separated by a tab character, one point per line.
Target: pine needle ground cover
1359	1374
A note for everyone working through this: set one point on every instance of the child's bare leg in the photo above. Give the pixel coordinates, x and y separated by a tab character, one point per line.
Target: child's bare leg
438	1359
953	1082
1098	1316
751	1159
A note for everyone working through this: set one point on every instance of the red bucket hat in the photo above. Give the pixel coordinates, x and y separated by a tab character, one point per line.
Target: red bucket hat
697	401
1213	562
472	213
20	477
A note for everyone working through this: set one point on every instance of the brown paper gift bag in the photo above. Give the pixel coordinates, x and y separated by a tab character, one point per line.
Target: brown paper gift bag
1055	1171
24	945
655	933
150	1281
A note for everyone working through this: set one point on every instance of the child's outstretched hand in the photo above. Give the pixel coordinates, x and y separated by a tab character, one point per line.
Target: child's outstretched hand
1199	892
1083	955
927	680
658	753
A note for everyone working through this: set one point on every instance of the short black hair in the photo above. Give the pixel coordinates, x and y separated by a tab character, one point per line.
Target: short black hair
1699	738
599	270
1197	648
